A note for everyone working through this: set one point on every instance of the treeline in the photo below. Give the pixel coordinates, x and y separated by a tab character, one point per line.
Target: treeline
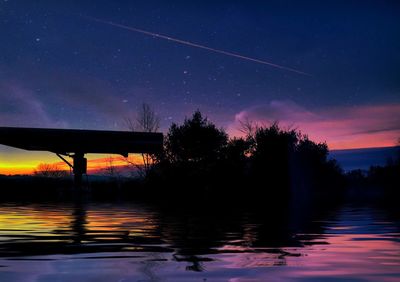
200	159
385	178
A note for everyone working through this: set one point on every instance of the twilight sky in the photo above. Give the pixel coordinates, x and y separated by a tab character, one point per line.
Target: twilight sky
61	68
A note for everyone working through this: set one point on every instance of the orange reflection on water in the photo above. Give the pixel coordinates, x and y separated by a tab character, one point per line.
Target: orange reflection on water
31	219
50	221
125	237
136	222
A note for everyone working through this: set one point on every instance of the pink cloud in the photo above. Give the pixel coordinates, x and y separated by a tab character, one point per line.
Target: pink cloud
341	127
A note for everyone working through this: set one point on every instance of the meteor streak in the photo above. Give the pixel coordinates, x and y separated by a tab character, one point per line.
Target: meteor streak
188	43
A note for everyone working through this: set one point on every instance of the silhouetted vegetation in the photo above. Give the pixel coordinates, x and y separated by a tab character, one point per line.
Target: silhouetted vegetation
377	183
193	153
386	178
269	163
50	171
197	141
146	121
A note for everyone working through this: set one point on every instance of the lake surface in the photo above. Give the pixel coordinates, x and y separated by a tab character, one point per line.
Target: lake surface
138	242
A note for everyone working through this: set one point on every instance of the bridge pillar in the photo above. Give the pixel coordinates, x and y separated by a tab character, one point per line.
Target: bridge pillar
79	168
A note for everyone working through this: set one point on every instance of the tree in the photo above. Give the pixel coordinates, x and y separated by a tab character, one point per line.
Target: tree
196	140
146	121
235	158
49	171
237	150
311	152
273	148
110	169
248	127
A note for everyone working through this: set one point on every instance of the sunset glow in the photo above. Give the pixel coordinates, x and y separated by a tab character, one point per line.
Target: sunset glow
191	141
96	163
104	65
340	127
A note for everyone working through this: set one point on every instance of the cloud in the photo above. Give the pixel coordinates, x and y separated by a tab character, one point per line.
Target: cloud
341	127
21	107
63	100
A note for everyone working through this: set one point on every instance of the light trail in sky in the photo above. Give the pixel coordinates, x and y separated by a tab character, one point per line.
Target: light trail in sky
195	45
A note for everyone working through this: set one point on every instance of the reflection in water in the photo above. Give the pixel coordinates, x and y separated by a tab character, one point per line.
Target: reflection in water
78	223
142	243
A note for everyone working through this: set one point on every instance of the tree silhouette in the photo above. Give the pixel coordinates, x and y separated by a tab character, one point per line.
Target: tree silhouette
272	150
110	169
49	171
196	140
146	121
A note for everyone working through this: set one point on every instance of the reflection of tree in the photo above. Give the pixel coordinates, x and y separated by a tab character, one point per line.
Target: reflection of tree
196	262
256	235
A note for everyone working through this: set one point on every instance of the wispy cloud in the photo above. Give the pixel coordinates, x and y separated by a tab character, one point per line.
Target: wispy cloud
341	127
21	107
59	100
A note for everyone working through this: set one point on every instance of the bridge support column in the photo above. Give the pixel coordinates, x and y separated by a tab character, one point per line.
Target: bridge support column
79	168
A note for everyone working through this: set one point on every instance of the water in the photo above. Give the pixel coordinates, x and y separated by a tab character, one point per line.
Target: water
137	242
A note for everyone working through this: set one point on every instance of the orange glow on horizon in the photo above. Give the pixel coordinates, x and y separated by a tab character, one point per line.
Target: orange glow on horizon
95	164
364	126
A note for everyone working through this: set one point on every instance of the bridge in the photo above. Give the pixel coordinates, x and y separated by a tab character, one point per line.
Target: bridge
76	143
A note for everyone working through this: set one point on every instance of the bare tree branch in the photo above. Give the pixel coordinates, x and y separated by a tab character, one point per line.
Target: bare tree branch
50	171
146	121
248	127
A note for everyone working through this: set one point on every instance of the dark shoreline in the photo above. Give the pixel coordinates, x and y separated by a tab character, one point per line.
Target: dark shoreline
38	189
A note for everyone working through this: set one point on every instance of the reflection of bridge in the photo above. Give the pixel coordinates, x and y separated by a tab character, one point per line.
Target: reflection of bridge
76	143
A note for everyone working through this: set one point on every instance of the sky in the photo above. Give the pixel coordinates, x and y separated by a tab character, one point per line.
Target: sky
328	68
